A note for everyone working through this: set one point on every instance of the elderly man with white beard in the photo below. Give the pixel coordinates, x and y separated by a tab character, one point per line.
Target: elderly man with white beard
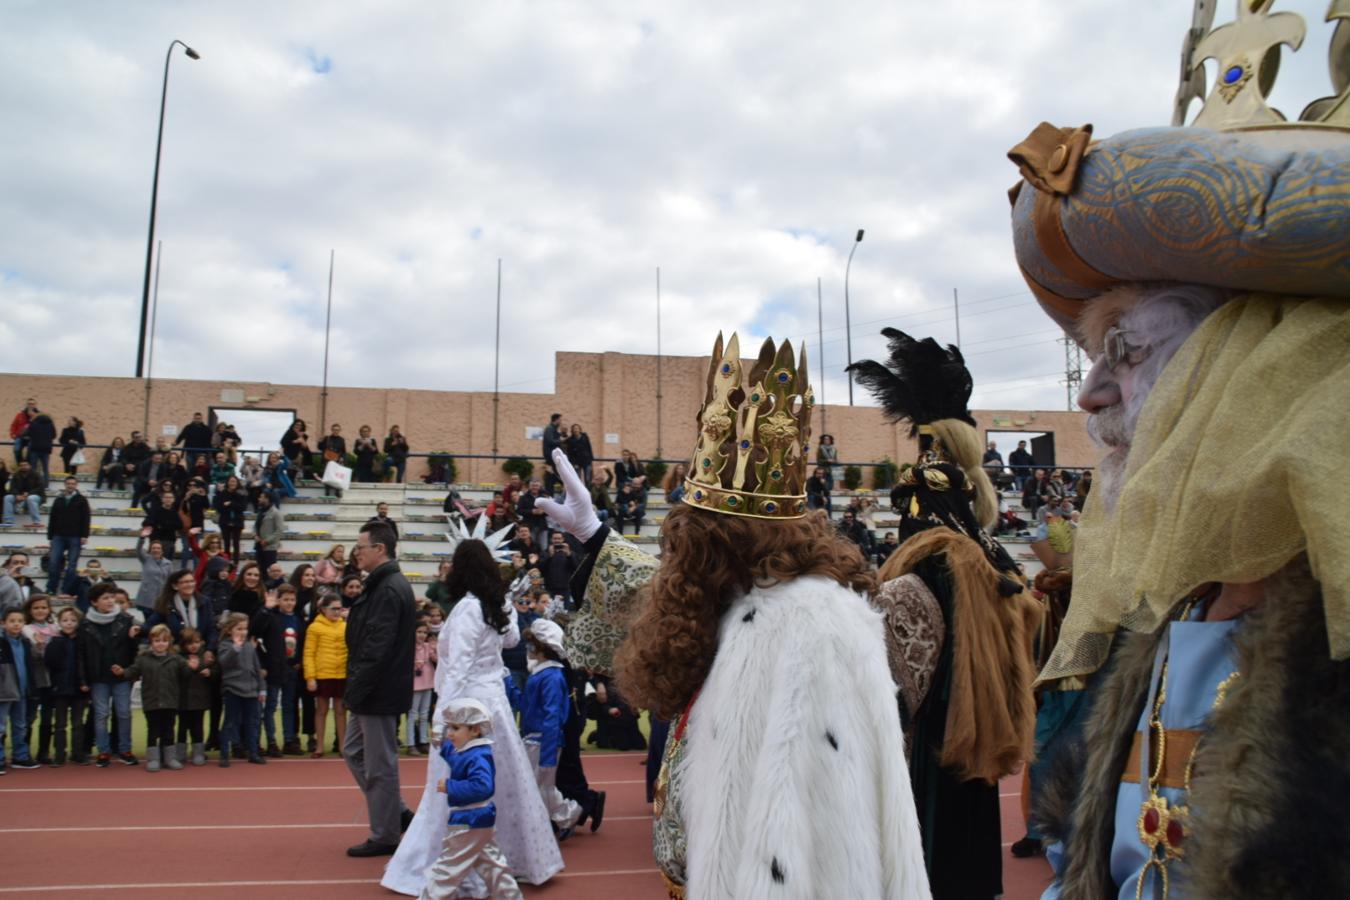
1206	271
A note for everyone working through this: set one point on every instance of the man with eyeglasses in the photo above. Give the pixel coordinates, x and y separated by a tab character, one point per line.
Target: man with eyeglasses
381	629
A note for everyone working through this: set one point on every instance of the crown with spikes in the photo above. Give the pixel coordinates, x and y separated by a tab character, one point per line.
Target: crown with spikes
1248	53
496	542
750	459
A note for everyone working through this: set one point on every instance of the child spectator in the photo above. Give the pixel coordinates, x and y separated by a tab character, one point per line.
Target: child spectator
243	689
213	573
41	627
18	688
279	629
542	717
328	571
326	670
107	638
469	844
435	621
231	504
92	574
161	672
616	723
161	521
196	696
424	682
69	701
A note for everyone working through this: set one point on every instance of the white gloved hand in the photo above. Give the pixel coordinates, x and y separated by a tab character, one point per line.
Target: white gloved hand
575	514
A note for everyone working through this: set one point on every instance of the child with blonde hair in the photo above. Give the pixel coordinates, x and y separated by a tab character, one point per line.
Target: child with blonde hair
242	688
161	672
469	845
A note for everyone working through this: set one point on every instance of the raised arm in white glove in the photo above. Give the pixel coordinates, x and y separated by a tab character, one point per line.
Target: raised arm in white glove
575	514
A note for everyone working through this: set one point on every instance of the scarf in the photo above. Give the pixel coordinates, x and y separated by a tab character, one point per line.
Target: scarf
101	618
186	613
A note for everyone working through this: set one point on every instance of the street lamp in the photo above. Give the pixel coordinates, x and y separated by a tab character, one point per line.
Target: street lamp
848	330
154	199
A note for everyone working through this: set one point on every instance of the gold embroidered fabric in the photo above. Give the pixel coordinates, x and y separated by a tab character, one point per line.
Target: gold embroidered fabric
1239	464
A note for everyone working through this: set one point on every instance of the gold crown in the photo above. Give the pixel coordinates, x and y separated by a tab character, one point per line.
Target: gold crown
750	459
1248	53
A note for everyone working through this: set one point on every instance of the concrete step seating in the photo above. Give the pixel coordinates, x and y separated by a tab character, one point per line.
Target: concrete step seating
314	522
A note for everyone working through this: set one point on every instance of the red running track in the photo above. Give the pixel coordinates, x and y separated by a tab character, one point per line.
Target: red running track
279	831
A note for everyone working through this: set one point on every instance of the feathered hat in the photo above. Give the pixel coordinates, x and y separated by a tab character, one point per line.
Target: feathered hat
921	383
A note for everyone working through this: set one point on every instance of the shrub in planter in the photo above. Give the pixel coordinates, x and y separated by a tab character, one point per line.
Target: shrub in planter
519	465
884	474
656	473
852	477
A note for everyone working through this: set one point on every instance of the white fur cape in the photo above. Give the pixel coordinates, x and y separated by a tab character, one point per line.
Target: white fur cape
795	783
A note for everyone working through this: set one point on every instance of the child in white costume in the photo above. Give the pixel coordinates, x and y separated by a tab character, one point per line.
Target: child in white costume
469	846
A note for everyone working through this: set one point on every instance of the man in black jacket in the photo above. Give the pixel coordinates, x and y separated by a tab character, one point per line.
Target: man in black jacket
67	532
381	630
196	440
1022	464
148	476
25	493
41	436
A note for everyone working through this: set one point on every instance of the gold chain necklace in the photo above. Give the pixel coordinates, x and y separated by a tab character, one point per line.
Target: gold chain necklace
1162	828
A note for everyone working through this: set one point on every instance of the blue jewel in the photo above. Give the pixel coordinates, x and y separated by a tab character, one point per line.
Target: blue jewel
698	495
1233	74
726	368
770	506
782	378
745	445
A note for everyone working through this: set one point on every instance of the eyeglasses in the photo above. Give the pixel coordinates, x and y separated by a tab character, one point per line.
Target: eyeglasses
1116	349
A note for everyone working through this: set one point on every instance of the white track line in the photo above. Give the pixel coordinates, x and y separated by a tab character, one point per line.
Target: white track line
65	829
178	885
269	787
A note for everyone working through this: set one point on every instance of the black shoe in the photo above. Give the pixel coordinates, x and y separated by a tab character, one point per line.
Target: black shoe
257	760
597	811
224	760
565	833
25	764
1026	847
104	760
370	848
128	759
404	820
2	768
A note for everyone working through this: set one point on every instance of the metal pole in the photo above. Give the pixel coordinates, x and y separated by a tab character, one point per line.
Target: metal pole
154	201
956	301
848	327
154	316
496	362
820	340
327	330
658	362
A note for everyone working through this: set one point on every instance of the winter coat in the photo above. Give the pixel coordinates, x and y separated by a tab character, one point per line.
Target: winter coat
282	647
194	436
18	424
269	529
211	586
62	658
9	673
71	440
381	634
424	666
154	573
164	524
206	621
472	781
326	648
161	679
69	516
579	451
41	434
30	483
196	691
240	669
102	646
544	710
230	507
135	453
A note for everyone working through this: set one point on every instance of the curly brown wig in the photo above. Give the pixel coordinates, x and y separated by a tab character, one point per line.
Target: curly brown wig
709	559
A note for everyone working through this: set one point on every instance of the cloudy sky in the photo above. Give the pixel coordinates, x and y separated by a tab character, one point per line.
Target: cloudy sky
736	146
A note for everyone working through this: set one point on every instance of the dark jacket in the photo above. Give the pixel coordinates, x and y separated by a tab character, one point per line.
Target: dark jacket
195	691
558	567
41	434
136	452
69	516
30	483
164	524
62	657
230	507
579	451
194	436
335	442
147	471
206	624
71	439
9	674
381	631
625	472
161	679
280	661
103	646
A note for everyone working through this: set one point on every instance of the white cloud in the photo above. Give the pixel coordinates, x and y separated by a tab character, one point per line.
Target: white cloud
736	147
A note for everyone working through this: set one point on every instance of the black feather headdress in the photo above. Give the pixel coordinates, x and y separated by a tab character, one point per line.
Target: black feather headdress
922	381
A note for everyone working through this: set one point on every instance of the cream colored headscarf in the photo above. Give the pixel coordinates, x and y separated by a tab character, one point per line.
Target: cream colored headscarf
1240	461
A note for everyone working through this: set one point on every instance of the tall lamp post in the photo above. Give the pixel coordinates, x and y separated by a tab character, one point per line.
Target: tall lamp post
848	329
154	199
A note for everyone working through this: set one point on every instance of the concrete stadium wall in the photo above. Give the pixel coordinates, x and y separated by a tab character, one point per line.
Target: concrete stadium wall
609	394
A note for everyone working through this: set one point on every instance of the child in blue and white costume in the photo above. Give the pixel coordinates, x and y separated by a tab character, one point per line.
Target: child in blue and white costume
469	844
542	717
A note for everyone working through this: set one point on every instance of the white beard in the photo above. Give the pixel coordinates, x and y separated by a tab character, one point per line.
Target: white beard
1111	430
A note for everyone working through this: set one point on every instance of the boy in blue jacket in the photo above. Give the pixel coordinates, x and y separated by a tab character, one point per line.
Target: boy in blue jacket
469	845
542	717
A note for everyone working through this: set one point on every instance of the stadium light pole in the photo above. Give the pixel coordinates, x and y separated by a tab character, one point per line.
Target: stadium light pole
848	328
154	199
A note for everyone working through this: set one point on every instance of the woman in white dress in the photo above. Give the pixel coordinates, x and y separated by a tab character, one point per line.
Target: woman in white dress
470	665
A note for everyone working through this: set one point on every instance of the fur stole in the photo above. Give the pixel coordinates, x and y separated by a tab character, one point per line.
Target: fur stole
794	774
1271	774
991	716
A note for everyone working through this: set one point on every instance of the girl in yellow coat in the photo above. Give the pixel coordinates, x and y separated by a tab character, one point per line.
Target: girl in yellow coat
326	669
